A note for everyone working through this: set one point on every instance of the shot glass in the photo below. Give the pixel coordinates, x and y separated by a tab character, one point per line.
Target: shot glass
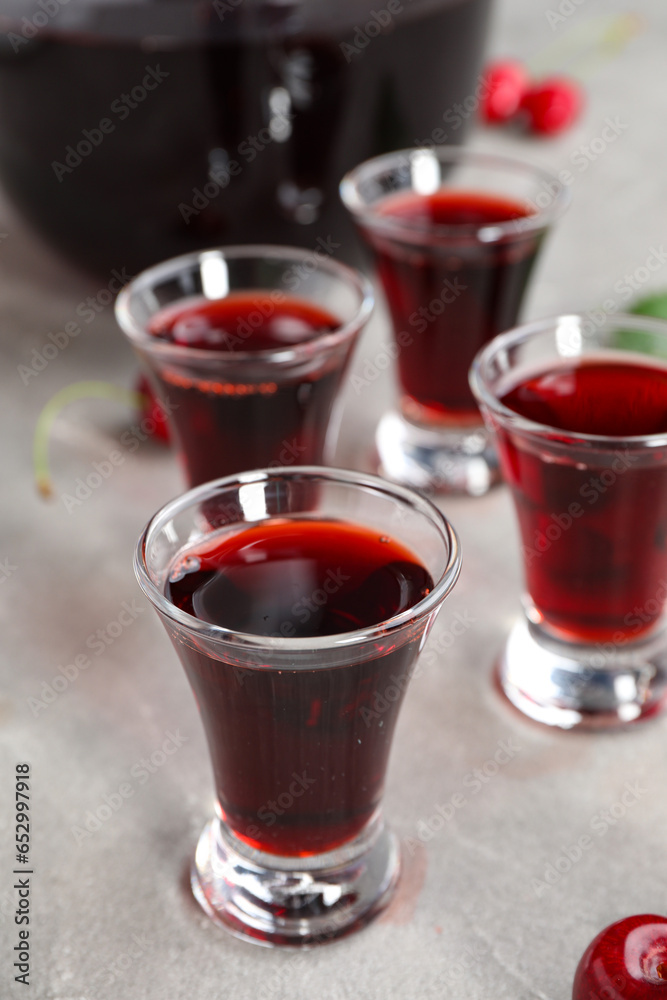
455	235
579	410
299	725
263	336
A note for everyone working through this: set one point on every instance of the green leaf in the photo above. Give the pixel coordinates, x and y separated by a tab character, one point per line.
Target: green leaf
641	340
653	305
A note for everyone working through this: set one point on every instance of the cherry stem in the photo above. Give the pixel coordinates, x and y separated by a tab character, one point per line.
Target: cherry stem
71	393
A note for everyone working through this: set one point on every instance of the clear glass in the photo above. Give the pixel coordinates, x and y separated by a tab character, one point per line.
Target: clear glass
313	779
592	511
450	289
232	410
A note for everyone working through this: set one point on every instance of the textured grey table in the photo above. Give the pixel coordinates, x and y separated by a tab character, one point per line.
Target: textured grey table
111	915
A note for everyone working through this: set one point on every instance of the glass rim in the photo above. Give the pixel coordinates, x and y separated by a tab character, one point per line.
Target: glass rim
146	279
484	234
479	382
246	640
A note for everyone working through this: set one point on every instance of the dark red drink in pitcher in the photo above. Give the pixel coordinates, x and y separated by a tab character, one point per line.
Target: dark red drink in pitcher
134	132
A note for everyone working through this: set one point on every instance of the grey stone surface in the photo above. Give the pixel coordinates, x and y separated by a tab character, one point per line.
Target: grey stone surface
112	918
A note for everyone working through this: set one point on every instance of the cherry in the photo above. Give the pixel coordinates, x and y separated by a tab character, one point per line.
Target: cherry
626	961
152	412
552	105
505	81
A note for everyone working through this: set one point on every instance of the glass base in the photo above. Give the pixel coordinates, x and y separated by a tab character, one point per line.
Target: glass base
273	900
442	461
597	686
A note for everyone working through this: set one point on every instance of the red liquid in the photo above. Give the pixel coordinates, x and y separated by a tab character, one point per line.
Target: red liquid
243	417
450	294
596	571
299	756
204	158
